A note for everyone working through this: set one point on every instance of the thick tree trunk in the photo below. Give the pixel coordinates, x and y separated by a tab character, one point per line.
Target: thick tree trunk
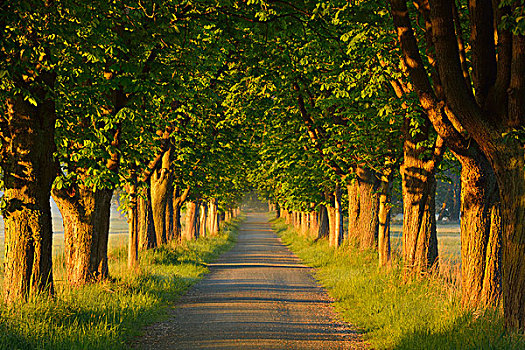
353	211
420	251
192	219
314	223
277	211
512	192
85	216
26	158
305	223
367	225
324	225
213	218
385	195
147	239
480	233
102	217
161	181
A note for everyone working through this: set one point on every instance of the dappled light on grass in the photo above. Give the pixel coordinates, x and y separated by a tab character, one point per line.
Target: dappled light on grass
107	314
395	314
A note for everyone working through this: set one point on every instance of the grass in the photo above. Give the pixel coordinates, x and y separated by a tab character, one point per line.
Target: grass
108	315
393	313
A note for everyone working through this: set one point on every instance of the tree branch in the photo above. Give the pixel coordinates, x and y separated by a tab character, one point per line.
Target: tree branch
483	56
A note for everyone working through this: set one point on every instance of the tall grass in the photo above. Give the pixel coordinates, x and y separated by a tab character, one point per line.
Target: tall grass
106	315
395	314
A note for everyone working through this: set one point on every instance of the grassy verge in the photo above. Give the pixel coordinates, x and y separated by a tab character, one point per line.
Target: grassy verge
106	315
393	314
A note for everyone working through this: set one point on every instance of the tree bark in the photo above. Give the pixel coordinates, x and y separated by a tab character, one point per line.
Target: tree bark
338	237
192	219
203	219
213	219
305	223
324	225
178	199
133	226
314	224
147	239
171	231
161	181
85	216
26	158
480	233
367	223
420	250
277	210
353	211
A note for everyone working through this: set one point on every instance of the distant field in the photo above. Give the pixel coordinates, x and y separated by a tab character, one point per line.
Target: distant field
118	229
115	240
449	241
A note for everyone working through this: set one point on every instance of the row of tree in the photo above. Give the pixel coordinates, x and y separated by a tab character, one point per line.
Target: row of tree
313	102
111	95
361	92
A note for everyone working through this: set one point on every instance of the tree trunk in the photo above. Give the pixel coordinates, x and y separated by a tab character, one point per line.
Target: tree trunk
353	211
305	223
102	219
419	221
324	224
177	225
277	210
203	219
85	216
314	224
385	195
368	208
455	210
147	239
213	220
480	233
337	237
161	181
133	227
26	158
171	231
192	218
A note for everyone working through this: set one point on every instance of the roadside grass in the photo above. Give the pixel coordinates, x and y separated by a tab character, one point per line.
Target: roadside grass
109	314
423	313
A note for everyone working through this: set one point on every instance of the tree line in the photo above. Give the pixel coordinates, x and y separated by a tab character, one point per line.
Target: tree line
321	105
105	96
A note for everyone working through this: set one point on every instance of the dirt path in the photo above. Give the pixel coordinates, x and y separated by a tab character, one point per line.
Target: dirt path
257	296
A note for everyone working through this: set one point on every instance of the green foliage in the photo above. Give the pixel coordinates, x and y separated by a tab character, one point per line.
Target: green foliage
392	313
515	20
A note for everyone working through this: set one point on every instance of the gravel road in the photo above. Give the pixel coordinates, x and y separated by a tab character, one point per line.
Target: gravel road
257	296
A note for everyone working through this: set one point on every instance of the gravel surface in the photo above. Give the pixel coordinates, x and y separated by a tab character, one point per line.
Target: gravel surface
257	296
